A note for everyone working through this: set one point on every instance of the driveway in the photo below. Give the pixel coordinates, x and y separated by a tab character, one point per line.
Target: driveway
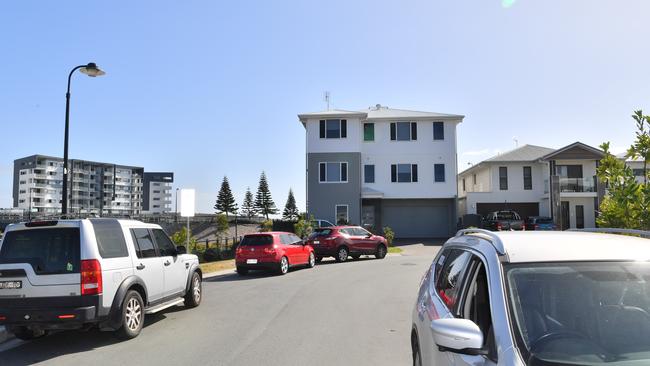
354	313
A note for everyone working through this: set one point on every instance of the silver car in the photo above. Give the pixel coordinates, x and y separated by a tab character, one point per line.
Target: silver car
535	298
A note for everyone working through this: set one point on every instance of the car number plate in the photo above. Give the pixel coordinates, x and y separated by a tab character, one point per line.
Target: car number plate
251	261
11	284
316	242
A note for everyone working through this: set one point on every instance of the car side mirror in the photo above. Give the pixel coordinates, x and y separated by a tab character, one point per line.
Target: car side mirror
181	250
456	335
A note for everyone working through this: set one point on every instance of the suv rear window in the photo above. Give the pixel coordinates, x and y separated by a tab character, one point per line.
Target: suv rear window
48	251
507	216
256	240
320	232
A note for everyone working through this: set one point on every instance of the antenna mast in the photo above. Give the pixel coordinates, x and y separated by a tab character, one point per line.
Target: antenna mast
326	98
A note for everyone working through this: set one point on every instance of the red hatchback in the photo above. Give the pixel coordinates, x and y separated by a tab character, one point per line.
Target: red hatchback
342	242
275	251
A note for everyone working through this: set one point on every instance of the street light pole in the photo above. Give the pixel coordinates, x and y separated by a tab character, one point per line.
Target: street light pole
91	70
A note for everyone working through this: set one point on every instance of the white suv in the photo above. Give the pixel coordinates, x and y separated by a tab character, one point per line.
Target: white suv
72	274
536	298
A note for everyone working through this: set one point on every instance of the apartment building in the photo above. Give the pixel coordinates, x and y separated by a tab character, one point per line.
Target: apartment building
383	167
157	193
94	188
537	181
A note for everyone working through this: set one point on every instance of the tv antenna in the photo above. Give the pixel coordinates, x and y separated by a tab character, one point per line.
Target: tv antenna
514	138
326	98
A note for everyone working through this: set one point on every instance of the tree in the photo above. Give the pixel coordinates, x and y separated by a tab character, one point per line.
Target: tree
263	202
248	206
180	238
225	200
640	149
290	209
222	224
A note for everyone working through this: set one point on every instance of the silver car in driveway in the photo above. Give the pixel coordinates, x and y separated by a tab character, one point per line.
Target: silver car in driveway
535	298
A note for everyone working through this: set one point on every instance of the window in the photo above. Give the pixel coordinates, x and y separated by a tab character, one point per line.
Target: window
143	243
289	239
257	240
638	172
368	132
528	178
333	129
438	131
439	173
341	214
404	173
110	239
165	245
369	174
451	275
463	184
476	306
48	251
333	172
403	131
474	179
156	199
503	178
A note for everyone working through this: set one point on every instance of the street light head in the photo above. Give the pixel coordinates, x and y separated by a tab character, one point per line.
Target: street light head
92	70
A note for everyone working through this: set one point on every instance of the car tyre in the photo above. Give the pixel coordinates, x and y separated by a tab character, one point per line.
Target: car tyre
27	334
381	251
342	254
132	315
242	271
284	266
195	292
312	260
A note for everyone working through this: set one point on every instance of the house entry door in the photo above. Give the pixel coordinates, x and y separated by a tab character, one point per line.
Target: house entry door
368	217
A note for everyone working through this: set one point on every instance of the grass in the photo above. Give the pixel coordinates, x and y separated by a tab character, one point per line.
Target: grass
394	250
217	266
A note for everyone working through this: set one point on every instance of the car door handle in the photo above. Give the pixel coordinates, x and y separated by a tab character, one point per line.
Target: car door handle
140	266
167	263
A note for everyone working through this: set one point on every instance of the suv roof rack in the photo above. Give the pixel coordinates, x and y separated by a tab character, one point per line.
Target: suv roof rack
491	236
608	230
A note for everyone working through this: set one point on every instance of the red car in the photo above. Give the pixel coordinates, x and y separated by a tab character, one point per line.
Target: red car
342	242
274	251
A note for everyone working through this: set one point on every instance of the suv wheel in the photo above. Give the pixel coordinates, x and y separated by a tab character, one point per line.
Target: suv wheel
342	254
27	334
284	266
193	295
312	260
132	315
381	251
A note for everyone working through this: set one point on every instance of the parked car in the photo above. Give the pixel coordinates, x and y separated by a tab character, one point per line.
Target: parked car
72	274
504	221
540	223
342	242
535	298
273	251
321	223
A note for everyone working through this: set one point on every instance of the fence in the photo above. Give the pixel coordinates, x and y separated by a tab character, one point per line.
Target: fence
213	250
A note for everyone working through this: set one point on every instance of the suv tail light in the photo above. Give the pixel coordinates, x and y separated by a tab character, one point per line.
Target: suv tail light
91	277
499	227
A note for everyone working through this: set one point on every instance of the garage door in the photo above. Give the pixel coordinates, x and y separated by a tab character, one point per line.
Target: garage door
409	221
524	209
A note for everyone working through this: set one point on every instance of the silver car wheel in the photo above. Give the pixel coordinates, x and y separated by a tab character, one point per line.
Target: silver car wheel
312	260
133	314
284	265
196	289
343	254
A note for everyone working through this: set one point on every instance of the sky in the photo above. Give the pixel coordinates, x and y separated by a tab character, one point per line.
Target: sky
209	89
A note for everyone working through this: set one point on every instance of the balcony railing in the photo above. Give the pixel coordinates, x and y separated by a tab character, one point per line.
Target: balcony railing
577	185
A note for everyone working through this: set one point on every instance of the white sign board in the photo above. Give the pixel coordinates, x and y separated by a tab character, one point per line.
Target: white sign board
187	202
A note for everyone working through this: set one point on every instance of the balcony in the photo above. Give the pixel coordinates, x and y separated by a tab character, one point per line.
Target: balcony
578	186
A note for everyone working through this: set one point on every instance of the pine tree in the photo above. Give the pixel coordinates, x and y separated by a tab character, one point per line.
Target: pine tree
248	206
225	200
263	201
290	210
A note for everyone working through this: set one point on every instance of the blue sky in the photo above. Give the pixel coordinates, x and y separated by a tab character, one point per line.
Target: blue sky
212	88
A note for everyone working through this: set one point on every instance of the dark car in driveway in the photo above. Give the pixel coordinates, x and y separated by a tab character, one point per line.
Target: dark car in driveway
504	221
342	242
540	223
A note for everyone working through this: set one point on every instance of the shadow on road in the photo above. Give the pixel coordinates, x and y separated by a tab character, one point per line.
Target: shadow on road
61	343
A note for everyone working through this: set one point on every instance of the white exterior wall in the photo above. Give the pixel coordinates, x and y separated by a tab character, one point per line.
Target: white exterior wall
590	215
352	143
425	152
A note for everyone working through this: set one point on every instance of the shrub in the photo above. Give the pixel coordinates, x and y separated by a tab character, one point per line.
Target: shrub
211	255
222	223
267	225
303	228
389	234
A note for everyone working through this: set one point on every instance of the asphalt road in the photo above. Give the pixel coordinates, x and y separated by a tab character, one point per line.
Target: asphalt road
355	313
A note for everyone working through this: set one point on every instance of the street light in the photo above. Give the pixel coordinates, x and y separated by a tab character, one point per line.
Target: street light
91	70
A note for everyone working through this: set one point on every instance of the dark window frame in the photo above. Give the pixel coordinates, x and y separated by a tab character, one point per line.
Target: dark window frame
438	131
368	129
436	175
366	167
413	131
342	128
528	178
503	178
343	171
394	173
